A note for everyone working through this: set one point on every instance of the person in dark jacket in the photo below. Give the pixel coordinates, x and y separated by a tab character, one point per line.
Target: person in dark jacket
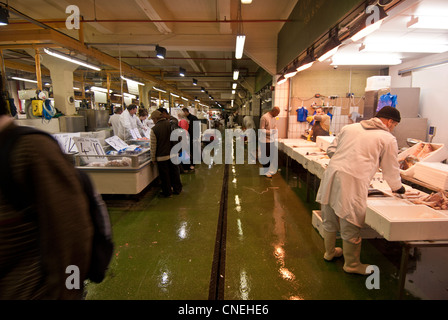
51	229
160	154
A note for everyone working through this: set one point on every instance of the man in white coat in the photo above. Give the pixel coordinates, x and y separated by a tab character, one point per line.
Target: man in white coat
128	122
356	154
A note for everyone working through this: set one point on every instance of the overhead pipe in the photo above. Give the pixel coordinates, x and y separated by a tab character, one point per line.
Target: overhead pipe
157	21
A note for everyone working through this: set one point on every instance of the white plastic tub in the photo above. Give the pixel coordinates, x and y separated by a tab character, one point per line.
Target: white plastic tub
407	222
438	155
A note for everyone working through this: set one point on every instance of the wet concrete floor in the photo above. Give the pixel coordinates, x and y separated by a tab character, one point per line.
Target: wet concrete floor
165	247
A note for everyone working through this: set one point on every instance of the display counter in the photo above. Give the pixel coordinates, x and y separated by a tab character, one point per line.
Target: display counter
119	174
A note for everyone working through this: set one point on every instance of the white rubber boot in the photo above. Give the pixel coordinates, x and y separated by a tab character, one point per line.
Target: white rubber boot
331	251
352	252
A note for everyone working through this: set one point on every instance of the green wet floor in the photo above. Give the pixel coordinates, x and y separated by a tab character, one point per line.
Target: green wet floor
165	246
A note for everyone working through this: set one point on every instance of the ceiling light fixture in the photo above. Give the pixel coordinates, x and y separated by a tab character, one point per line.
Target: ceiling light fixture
202	89
281	80
160	52
331	47
234	85
126	79
369	22
99	89
161	90
291	71
4	16
308	61
233	91
23	79
182	72
428	22
246	1
70	59
195	82
241	37
174	95
236	74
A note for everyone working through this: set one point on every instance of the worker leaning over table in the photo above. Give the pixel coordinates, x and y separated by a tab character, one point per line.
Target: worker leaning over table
356	154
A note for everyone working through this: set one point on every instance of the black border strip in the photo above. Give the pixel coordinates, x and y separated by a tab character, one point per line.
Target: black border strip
217	277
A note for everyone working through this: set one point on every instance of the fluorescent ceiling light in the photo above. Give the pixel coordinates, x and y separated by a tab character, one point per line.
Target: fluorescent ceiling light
291	71
428	22
369	22
236	74
70	59
366	31
246	1
234	85
159	89
233	91
183	98
281	80
174	95
195	82
126	79
329	49
239	46
307	62
403	47
366	59
23	79
129	95
99	89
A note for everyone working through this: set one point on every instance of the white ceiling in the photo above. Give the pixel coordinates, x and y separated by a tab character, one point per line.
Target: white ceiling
195	33
394	30
199	38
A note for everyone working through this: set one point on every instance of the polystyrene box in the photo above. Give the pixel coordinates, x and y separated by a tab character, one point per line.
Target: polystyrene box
324	141
438	155
408	222
434	173
378	82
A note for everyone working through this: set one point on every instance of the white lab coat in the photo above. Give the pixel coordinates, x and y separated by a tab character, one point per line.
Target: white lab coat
114	121
356	154
127	122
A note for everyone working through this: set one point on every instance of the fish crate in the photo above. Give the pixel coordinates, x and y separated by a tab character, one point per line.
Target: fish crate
438	154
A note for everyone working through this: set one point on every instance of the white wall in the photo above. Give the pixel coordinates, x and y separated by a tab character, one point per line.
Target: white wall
433	84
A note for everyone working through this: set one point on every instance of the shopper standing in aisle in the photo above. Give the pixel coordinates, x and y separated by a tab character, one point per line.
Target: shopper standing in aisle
160	154
268	123
49	227
114	120
356	154
192	119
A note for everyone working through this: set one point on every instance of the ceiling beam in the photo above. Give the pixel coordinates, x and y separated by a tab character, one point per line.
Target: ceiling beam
52	36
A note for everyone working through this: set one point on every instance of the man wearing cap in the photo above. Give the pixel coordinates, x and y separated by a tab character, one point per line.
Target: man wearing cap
160	154
356	153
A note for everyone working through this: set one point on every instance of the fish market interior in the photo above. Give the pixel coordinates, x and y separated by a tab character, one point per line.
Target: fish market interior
312	136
